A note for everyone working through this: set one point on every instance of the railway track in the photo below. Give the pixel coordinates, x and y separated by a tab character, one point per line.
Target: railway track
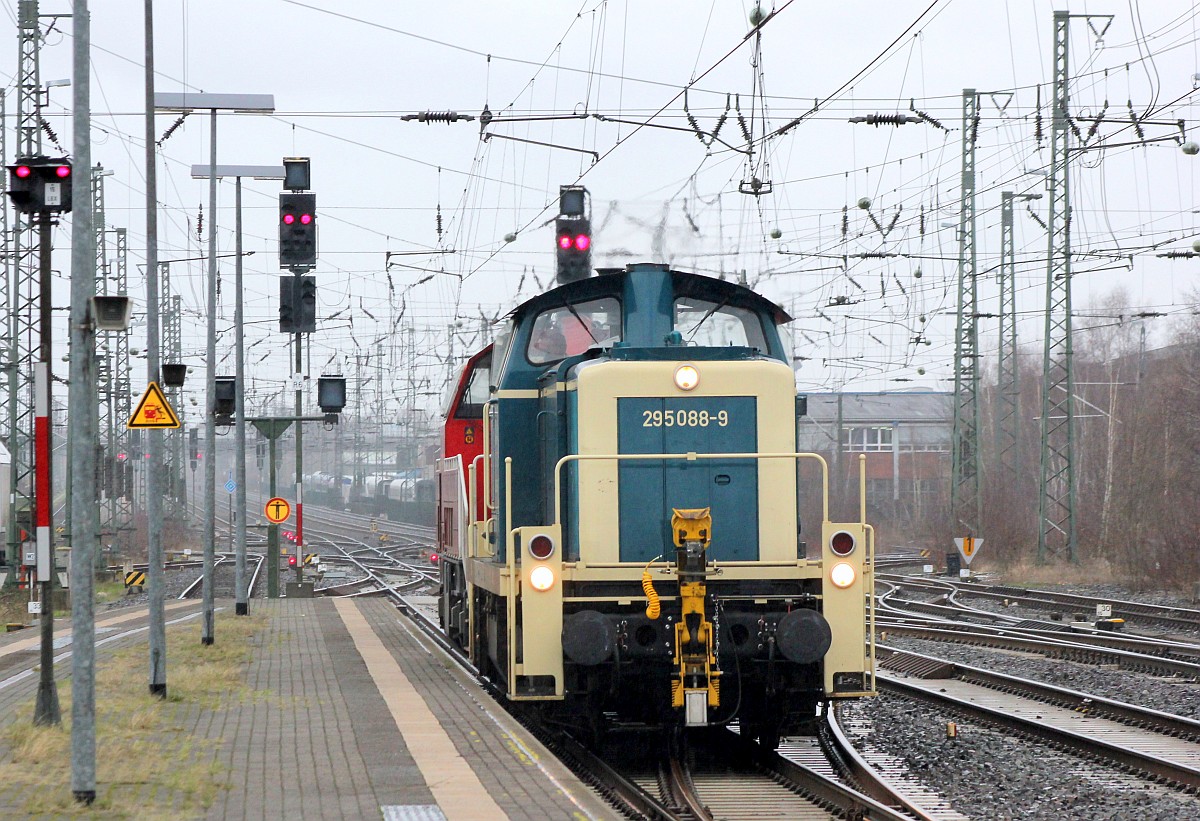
726	778
1175	618
1154	745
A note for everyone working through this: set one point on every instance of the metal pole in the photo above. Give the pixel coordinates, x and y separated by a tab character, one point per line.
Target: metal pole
272	535
210	427
154	496
46	711
82	432
242	604
299	385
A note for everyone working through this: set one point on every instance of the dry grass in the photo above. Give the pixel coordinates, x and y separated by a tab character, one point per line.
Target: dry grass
13	608
1031	574
109	591
149	764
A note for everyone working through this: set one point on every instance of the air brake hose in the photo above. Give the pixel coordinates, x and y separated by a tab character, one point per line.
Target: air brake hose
653	606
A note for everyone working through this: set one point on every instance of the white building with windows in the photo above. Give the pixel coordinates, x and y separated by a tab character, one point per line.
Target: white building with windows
906	436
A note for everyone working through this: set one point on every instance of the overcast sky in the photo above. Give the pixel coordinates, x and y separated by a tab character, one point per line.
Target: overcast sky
343	74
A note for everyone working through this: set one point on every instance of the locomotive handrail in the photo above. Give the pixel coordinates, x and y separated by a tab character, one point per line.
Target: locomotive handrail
690	456
488	502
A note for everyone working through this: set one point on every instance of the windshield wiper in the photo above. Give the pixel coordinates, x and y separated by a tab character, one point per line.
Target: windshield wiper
704	318
586	325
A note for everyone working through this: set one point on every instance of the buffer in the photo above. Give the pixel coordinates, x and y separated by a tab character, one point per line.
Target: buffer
153	411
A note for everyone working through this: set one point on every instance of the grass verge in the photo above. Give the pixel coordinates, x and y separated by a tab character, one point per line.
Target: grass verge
150	764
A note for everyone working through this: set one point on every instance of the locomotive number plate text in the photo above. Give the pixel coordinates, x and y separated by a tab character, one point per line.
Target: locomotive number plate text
683	418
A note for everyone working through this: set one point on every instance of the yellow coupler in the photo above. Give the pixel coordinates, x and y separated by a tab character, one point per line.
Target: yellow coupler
697	685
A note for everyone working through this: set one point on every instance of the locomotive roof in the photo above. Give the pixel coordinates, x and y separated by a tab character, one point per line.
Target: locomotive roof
611	282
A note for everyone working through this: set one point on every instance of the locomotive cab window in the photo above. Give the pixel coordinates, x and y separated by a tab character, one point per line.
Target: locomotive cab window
714	325
476	392
569	330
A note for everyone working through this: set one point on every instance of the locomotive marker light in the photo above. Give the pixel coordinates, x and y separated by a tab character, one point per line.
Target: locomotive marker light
842	575
843	543
541	578
541	547
687	377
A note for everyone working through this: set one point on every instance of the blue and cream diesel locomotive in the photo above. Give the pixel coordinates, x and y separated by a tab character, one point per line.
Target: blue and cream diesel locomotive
618	514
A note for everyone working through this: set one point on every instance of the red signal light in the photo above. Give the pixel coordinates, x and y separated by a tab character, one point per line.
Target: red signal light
582	242
288	219
541	547
291	561
63	171
305	219
564	242
842	543
121	456
433	558
23	171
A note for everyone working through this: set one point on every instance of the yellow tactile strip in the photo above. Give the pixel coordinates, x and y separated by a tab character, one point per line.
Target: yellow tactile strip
450	778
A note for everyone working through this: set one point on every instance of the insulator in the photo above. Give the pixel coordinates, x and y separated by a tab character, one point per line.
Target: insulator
438	117
50	133
885	119
174	126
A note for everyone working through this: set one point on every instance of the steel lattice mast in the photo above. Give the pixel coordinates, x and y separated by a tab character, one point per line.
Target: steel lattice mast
23	289
1056	510
173	498
105	368
1008	425
122	403
965	500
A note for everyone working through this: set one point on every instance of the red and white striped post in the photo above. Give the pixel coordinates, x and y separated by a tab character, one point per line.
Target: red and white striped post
43	495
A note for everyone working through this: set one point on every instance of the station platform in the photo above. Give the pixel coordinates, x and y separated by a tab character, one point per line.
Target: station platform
345	712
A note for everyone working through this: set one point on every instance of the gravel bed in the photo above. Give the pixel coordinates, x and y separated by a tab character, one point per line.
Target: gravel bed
174	583
1168	695
989	774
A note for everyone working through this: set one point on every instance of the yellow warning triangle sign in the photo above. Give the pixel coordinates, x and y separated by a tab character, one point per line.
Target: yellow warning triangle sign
153	410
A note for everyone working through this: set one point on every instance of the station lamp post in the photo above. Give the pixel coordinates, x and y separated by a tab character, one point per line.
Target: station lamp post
188	101
258	172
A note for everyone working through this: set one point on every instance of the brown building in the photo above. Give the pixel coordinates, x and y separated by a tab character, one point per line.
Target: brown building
906	438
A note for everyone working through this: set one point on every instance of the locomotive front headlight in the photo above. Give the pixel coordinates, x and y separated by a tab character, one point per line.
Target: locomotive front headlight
541	578
842	575
686	377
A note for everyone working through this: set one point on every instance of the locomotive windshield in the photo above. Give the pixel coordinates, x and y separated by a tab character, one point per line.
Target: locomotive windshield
571	329
714	324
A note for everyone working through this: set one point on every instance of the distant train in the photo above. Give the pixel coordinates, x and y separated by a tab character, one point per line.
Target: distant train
618	515
402	496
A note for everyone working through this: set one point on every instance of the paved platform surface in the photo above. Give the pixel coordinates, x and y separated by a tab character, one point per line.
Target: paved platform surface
349	714
370	722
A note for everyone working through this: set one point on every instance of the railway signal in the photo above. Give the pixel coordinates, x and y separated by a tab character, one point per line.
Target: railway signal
573	248
39	185
572	235
297	315
297	230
